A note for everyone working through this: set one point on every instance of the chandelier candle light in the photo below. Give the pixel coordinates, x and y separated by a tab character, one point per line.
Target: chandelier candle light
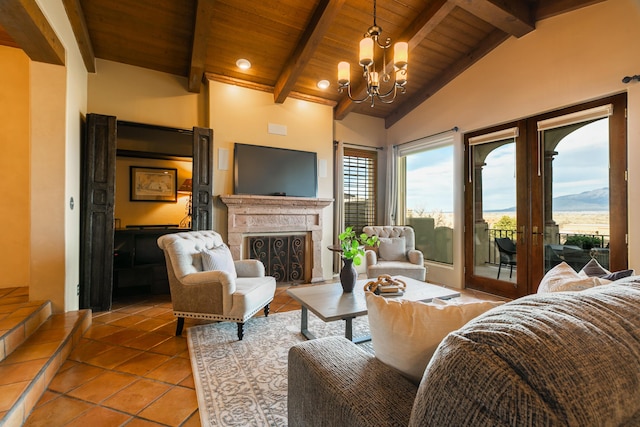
375	79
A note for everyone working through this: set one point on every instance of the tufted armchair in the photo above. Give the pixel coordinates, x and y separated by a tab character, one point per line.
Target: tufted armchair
225	290
396	255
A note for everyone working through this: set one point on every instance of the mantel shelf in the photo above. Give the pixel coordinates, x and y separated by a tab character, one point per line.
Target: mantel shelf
275	201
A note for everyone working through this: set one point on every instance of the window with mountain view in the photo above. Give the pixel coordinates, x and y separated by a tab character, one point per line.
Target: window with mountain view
426	176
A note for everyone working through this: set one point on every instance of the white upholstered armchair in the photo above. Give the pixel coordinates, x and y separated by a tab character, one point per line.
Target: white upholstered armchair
396	255
206	283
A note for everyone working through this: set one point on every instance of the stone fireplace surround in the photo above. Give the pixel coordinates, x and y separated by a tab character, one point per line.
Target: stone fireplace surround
249	214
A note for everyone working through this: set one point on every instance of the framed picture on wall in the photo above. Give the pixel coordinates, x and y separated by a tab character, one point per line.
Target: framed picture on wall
153	184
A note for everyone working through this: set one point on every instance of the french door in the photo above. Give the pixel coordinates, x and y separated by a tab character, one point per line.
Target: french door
546	190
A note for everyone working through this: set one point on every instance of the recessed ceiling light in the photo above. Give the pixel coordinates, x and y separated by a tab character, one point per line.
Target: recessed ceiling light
323	84
243	64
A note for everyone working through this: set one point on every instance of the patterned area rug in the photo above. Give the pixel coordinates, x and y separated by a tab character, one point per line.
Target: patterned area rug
244	383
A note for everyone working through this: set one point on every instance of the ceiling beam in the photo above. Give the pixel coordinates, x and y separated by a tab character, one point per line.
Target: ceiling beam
549	8
6	40
26	24
81	32
417	31
204	15
315	30
493	40
512	17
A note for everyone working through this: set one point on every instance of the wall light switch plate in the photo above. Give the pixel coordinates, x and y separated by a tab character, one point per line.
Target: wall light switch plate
322	168
223	159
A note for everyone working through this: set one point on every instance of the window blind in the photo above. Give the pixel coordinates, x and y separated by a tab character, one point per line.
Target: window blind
359	188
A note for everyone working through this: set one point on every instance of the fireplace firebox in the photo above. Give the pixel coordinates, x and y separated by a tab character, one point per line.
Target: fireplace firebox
283	256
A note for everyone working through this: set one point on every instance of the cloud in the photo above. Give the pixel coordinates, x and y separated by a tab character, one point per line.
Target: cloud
582	164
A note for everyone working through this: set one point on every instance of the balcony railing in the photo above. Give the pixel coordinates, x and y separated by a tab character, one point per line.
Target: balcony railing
597	248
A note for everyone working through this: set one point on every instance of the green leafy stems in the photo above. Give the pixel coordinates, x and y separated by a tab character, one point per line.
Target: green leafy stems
353	245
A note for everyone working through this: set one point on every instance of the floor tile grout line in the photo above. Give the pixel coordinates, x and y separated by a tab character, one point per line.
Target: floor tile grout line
138	378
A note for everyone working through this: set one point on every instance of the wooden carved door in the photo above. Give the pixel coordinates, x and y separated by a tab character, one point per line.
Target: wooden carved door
202	176
98	169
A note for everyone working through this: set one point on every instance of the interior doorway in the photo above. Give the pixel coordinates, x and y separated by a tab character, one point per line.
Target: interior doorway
97	222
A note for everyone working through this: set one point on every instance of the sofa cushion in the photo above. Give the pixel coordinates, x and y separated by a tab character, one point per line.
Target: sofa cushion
564	278
567	359
218	258
405	333
393	249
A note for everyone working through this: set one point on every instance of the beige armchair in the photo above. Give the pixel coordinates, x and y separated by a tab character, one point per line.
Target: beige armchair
213	293
396	255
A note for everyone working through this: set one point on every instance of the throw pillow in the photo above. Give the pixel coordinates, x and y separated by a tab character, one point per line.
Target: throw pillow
564	278
593	269
405	334
617	275
218	258
393	249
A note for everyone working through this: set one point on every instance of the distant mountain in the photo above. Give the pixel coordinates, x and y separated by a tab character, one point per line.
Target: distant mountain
593	200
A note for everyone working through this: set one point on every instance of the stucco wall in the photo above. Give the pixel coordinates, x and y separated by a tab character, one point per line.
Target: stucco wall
58	102
14	167
567	60
139	95
243	115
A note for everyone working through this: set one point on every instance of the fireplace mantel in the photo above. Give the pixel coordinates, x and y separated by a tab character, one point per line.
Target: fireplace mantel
249	214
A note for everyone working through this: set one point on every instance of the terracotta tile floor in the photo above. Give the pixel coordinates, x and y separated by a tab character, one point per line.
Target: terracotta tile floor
129	369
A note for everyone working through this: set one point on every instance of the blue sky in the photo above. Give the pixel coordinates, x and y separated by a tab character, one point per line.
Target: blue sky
430	180
581	165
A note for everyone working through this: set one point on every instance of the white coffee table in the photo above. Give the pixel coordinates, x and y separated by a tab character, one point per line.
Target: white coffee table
329	303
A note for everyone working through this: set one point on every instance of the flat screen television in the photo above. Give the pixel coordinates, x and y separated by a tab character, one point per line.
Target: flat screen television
271	171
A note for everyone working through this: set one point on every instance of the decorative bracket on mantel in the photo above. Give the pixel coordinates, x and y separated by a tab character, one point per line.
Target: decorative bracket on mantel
249	214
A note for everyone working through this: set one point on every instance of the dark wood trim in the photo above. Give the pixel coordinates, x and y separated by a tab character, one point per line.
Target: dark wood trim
618	190
549	8
26	24
150	155
513	17
204	13
81	32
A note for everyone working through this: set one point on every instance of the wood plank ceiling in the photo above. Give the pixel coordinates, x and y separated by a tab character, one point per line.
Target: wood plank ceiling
292	44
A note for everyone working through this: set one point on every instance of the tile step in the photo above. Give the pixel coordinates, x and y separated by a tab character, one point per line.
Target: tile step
18	321
26	373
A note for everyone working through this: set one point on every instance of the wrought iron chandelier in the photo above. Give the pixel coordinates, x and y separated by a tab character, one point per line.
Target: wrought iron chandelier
380	85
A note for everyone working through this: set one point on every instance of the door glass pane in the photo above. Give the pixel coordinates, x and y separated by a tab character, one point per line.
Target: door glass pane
429	201
494	209
576	194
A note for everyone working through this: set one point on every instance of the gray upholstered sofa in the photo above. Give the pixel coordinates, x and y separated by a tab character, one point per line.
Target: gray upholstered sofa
557	359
